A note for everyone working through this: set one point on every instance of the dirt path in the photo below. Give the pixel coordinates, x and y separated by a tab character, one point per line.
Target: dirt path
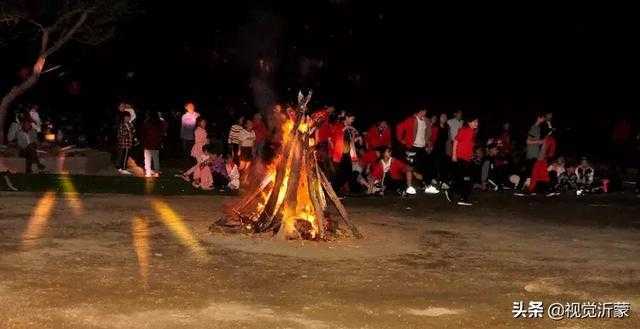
117	261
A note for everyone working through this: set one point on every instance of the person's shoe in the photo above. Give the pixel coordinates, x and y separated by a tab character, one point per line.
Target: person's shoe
579	192
431	190
446	194
410	190
494	186
464	203
125	172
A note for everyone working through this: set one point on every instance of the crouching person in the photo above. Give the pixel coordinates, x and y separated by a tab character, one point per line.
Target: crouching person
392	174
27	143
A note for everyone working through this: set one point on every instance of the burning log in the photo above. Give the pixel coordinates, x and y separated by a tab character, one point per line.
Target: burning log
291	201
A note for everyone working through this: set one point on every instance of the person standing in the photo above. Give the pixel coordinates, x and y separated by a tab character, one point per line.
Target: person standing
462	156
188	126
36	122
379	135
125	142
235	138
534	144
260	130
247	144
413	134
454	124
152	134
439	139
343	151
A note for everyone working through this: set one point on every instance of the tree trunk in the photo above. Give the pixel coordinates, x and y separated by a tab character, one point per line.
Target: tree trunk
45	51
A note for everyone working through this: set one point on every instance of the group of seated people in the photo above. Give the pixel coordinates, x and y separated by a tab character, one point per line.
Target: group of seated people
215	170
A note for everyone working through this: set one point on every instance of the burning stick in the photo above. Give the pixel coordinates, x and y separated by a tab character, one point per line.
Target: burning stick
336	202
294	205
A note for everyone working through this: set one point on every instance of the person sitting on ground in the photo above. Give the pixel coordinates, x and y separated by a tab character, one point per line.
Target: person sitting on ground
494	169
584	176
125	142
200	174
391	174
27	140
232	173
360	167
558	177
201	138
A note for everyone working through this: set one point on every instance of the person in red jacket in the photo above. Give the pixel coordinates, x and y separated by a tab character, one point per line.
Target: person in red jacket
343	150
378	135
414	134
462	156
539	174
391	173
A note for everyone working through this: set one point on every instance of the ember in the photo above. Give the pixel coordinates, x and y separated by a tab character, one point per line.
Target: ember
291	200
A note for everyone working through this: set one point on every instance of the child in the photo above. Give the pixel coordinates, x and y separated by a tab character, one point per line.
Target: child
125	142
201	138
202	177
233	173
391	173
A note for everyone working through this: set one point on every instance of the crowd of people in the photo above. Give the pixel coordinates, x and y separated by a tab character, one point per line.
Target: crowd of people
427	152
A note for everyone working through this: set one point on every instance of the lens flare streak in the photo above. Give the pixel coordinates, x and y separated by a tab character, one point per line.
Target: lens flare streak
71	195
177	226
140	233
38	220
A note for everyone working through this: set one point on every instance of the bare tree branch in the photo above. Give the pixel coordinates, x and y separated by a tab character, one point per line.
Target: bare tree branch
67	36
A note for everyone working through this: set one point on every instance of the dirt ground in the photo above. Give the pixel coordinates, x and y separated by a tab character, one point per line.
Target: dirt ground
122	261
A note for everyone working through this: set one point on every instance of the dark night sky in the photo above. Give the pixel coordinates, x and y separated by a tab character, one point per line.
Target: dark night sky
383	57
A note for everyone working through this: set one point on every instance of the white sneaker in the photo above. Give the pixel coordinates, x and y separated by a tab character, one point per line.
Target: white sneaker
464	203
431	190
411	190
124	172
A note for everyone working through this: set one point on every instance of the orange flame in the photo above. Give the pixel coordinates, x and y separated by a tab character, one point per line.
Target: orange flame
301	208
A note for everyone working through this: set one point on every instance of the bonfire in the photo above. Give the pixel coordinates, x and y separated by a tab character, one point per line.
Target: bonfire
292	199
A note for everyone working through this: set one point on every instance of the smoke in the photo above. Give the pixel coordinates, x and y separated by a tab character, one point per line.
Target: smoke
260	44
